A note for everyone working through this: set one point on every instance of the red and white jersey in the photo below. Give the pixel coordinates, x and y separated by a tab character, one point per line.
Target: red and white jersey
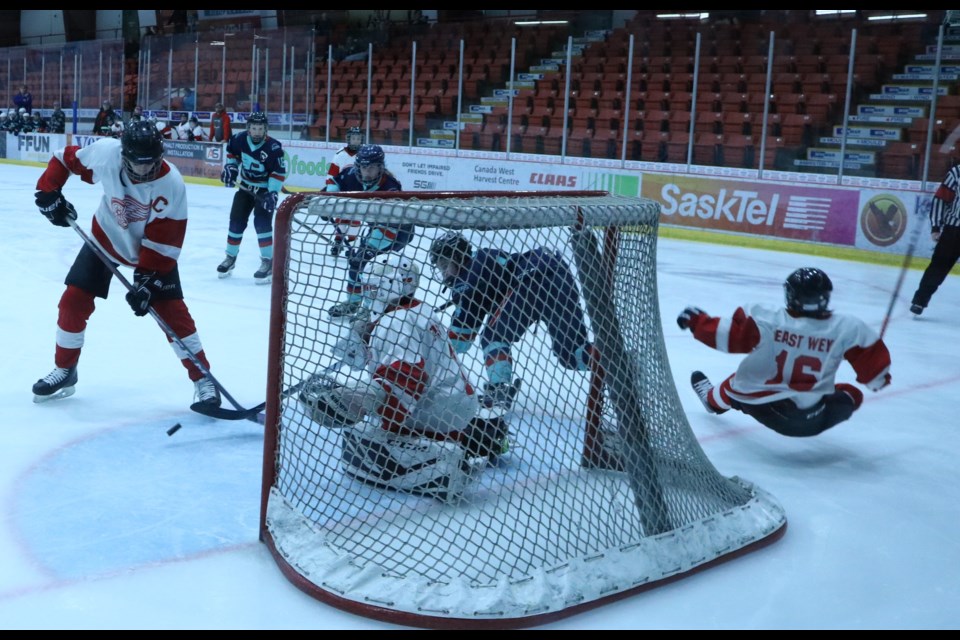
137	224
341	161
793	357
412	359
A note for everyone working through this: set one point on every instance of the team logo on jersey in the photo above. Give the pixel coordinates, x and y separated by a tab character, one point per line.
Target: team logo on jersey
129	211
883	220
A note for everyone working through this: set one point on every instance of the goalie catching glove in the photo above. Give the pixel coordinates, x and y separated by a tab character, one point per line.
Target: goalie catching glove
335	405
55	207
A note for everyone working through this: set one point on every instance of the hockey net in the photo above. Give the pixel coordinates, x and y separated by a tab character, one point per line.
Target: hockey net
603	490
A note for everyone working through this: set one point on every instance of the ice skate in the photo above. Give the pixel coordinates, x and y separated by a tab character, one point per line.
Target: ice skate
500	394
59	383
702	386
226	267
264	274
916	309
206	394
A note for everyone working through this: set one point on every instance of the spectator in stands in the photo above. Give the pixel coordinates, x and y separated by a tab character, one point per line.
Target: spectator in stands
58	119
26	121
103	124
23	99
137	114
194	130
10	122
39	124
180	130
189	100
219	124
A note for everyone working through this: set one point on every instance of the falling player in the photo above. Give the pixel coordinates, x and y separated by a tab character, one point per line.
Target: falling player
140	223
426	433
787	382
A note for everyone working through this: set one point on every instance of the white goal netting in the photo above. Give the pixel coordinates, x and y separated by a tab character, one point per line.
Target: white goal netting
599	487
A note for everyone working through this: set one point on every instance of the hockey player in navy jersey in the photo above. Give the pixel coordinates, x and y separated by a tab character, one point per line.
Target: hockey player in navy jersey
787	382
368	173
256	164
500	295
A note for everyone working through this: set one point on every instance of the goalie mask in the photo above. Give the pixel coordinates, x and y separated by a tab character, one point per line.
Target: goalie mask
807	292
142	151
448	254
370	165
387	280
354	139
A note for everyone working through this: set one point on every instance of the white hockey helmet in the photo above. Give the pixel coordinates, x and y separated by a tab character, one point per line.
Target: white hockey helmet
388	278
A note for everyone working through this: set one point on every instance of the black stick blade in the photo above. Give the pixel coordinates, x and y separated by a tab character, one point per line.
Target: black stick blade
221	413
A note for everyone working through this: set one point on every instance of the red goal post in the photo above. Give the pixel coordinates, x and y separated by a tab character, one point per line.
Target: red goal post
605	490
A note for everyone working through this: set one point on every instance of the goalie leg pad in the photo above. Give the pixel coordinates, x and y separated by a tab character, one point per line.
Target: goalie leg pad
409	464
336	405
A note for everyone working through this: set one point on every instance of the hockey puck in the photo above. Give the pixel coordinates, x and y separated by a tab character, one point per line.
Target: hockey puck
172	430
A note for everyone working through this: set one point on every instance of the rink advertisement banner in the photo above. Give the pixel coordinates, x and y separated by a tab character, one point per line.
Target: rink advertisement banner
33	147
788	211
889	222
308	162
198	159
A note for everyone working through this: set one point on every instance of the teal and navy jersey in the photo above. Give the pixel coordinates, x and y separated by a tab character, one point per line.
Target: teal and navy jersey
500	295
262	167
379	237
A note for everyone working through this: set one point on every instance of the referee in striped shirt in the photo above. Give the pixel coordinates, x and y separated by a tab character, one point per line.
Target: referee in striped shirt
945	231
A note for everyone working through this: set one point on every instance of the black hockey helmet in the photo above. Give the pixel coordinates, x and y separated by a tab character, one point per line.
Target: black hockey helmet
369	155
451	249
354	138
451	246
142	151
807	292
257	134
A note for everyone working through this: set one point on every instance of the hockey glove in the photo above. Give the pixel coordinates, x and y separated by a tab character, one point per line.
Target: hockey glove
689	317
229	175
267	201
55	207
145	285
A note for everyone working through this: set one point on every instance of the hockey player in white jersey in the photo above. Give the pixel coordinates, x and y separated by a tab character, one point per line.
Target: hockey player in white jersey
411	421
140	223
787	382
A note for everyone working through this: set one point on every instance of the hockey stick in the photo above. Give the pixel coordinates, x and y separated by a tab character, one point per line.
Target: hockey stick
900	278
323	237
214	412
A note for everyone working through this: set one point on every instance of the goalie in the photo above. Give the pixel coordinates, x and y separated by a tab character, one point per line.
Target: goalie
411	421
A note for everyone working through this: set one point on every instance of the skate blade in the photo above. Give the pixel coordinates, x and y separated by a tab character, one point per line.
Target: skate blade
224	275
66	392
266	280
